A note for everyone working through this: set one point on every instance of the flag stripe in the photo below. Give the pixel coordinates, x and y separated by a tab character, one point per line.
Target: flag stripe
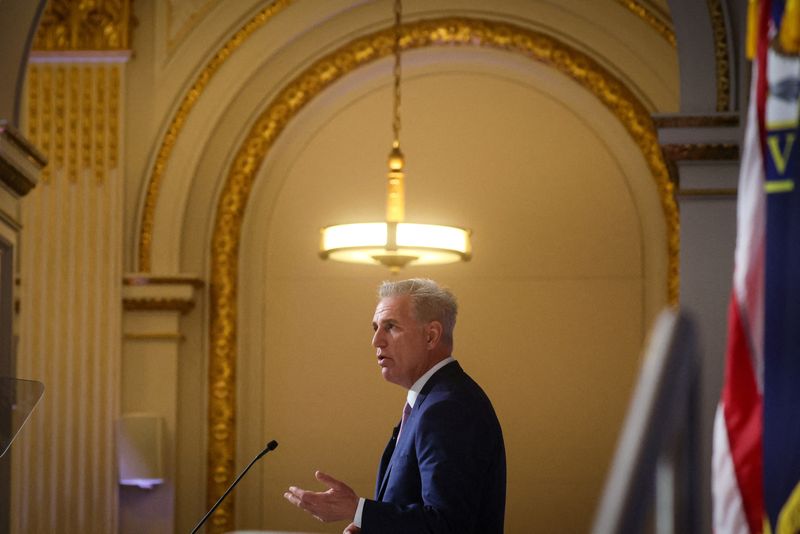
729	515
741	402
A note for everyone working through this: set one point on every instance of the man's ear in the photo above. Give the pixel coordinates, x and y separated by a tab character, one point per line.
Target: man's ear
433	333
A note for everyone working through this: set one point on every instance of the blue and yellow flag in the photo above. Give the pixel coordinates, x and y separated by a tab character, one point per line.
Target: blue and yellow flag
781	416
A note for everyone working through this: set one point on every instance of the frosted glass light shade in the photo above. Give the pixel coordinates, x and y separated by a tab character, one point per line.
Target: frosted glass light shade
395	244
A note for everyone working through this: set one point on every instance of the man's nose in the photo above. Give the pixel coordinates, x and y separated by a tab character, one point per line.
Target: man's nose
378	340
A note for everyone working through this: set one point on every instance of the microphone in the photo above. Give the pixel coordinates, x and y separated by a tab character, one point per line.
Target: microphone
270	447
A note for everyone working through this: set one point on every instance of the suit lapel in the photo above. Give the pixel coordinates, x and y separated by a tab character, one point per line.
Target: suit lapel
397	446
383	469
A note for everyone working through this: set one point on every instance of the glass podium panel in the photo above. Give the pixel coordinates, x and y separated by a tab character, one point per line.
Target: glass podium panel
18	398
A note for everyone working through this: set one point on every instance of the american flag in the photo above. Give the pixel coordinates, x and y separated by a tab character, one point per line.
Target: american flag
756	461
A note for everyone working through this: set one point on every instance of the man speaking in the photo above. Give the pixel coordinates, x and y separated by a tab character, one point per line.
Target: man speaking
444	468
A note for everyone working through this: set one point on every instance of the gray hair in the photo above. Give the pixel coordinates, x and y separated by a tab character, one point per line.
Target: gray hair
430	301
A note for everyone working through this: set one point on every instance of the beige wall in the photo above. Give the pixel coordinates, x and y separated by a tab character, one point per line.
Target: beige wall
553	306
570	243
569	267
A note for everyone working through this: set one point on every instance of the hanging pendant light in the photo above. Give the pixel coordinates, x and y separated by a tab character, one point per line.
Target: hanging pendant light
395	243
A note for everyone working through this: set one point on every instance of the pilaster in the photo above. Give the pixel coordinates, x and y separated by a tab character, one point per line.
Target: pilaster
152	337
70	269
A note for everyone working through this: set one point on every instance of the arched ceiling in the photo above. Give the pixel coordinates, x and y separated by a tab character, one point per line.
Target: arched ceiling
295	34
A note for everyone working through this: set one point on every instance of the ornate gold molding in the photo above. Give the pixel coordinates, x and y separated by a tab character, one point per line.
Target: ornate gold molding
46	95
653	20
721	56
74	121
81	25
100	119
179	118
73	117
232	203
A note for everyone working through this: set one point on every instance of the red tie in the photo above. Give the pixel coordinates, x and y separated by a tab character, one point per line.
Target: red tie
406	413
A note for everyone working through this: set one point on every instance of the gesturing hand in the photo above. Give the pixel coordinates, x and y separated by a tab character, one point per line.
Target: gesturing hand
339	502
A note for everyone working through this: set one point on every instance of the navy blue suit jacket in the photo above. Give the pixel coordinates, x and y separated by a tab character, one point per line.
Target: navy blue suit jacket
447	471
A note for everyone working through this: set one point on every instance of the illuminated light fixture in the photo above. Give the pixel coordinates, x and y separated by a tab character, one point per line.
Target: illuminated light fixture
395	243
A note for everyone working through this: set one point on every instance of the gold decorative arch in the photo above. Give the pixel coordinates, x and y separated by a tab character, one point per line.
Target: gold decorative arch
179	118
251	154
658	20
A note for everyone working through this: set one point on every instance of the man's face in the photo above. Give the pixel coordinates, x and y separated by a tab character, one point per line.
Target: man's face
400	341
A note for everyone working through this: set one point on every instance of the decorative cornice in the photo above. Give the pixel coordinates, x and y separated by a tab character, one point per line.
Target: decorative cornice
80	25
20	161
673	153
9	133
696	121
12	178
179	119
235	191
158	304
652	19
147	279
700	151
143	292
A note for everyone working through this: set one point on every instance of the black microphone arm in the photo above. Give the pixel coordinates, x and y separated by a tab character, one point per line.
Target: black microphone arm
270	447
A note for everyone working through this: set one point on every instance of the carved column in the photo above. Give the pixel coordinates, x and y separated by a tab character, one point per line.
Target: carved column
65	477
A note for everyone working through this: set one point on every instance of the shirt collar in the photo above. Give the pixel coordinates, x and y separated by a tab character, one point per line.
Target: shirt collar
413	393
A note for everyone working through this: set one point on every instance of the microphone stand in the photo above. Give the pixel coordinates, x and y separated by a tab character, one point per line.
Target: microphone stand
270	447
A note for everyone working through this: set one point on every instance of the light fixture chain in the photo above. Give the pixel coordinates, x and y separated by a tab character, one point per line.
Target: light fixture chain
394	243
398	13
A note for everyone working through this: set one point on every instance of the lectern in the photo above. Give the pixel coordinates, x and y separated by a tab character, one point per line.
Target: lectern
18	398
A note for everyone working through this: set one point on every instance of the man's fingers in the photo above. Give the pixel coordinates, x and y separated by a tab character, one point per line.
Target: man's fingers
337	503
299	497
329	480
292	498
